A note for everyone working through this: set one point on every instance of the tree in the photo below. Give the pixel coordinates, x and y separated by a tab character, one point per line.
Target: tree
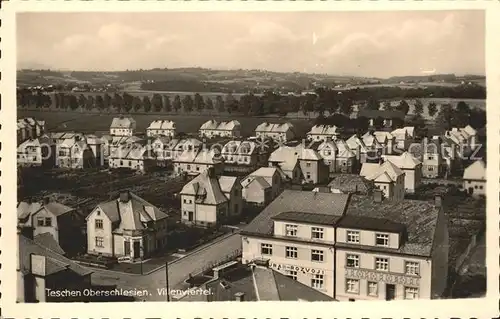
167	106
157	102
462	115
99	102
209	104
419	108
307	104
187	103
106	100
378	123
256	105
245	103
388	106
90	103
219	104
82	101
403	107
146	102
418	122
117	102
372	103
230	103
57	100
199	104
127	102
477	118
346	107
177	103
445	116
136	103
73	102
293	104
432	109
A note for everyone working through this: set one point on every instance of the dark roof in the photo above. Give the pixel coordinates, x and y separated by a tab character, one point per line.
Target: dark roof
419	217
381	113
350	183
48	241
259	284
371	223
320	219
297	201
56	262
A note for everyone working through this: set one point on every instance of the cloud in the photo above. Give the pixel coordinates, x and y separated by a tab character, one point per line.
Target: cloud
358	43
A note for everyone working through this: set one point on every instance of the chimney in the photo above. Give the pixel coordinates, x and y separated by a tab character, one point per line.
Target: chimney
46	200
438	201
124	196
378	196
239	296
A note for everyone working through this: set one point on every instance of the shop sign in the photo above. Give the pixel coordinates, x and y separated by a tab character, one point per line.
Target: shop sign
305	270
389	278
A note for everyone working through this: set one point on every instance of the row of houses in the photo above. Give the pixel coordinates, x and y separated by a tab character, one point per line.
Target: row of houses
29	128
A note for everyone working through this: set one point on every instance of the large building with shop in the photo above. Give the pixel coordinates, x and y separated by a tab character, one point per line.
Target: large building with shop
353	247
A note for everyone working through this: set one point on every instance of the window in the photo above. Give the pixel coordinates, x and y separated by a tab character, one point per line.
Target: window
382	264
317	233
317	281
412	268
185	201
480	187
308	175
372	289
308	164
317	255
99	242
353	236
99	224
291	252
40	221
291	274
411	293
382	240
352	286
352	261
291	230
188	166
266	249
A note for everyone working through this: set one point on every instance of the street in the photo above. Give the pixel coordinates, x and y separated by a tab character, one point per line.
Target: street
178	270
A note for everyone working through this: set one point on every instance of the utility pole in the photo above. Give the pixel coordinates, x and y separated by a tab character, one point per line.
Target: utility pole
166	281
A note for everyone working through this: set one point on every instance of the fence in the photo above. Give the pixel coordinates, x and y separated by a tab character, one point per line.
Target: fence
231	256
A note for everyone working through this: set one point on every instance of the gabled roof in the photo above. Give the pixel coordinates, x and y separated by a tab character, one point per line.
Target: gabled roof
476	171
259	180
48	241
299	201
403	161
323	130
25	209
375	171
382	136
123	122
274	127
161	125
54	262
354	142
227	183
206	156
470	130
207	187
350	183
209	125
130	215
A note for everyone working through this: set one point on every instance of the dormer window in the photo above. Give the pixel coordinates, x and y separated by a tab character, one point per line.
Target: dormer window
291	230
382	240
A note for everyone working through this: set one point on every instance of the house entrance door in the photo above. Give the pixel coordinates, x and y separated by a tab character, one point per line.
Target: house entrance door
137	249
126	248
191	217
390	292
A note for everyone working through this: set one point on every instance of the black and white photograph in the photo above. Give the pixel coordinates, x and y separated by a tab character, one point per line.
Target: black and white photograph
333	156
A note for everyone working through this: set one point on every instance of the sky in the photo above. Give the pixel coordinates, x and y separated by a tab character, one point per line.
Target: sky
374	44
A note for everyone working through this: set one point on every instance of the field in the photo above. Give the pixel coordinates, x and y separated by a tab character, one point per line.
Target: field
91	123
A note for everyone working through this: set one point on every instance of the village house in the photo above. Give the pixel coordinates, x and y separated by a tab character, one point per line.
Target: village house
403	137
387	140
133	156
279	132
122	126
364	153
474	178
29	128
314	169
328	151
110	144
126	227
187	144
246	153
208	200
323	132
40	151
39	268
52	223
255	281
263	185
74	153
347	160
161	128
371	142
350	184
193	162
213	128
163	148
412	168
439	156
465	137
388	250
387	177
295	233
342	247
